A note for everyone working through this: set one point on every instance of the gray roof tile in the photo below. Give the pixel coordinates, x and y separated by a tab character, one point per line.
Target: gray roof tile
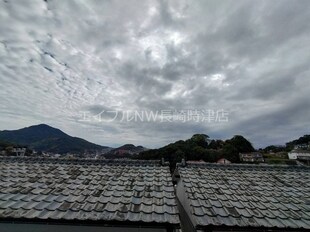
29	205
96	190
6	204
247	195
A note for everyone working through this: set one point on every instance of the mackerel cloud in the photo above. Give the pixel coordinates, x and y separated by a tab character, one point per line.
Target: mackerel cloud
60	60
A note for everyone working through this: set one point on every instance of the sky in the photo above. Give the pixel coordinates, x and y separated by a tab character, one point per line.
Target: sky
99	69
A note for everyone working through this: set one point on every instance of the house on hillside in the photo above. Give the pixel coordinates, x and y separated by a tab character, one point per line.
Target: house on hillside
223	161
86	195
300	155
243	197
252	157
19	151
302	146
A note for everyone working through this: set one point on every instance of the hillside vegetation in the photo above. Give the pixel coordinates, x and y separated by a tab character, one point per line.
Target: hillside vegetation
200	147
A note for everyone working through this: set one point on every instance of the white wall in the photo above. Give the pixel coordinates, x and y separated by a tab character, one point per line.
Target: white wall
292	155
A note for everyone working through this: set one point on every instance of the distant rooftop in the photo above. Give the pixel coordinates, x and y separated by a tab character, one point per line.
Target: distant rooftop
105	191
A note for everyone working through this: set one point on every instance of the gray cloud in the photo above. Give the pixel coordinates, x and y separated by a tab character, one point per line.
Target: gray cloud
59	59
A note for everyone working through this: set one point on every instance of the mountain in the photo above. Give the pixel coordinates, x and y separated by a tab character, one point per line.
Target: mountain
303	142
43	137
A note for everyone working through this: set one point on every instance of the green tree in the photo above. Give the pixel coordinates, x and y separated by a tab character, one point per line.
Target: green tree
232	148
199	139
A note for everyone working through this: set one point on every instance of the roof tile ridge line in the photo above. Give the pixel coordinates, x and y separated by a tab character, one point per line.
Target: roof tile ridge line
235	165
148	204
129	210
188	199
90	160
222	165
170	197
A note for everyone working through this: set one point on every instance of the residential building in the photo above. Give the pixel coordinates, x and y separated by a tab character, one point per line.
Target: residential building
300	155
302	146
243	197
86	195
251	157
223	161
19	151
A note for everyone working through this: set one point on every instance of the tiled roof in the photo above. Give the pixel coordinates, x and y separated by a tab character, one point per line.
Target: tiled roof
247	195
130	191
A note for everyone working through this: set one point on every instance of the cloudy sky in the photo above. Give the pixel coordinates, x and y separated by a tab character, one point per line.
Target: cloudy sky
215	67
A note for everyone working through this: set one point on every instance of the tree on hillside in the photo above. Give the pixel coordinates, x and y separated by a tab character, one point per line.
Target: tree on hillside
197	148
9	150
198	153
241	144
216	144
273	148
238	144
199	139
302	140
